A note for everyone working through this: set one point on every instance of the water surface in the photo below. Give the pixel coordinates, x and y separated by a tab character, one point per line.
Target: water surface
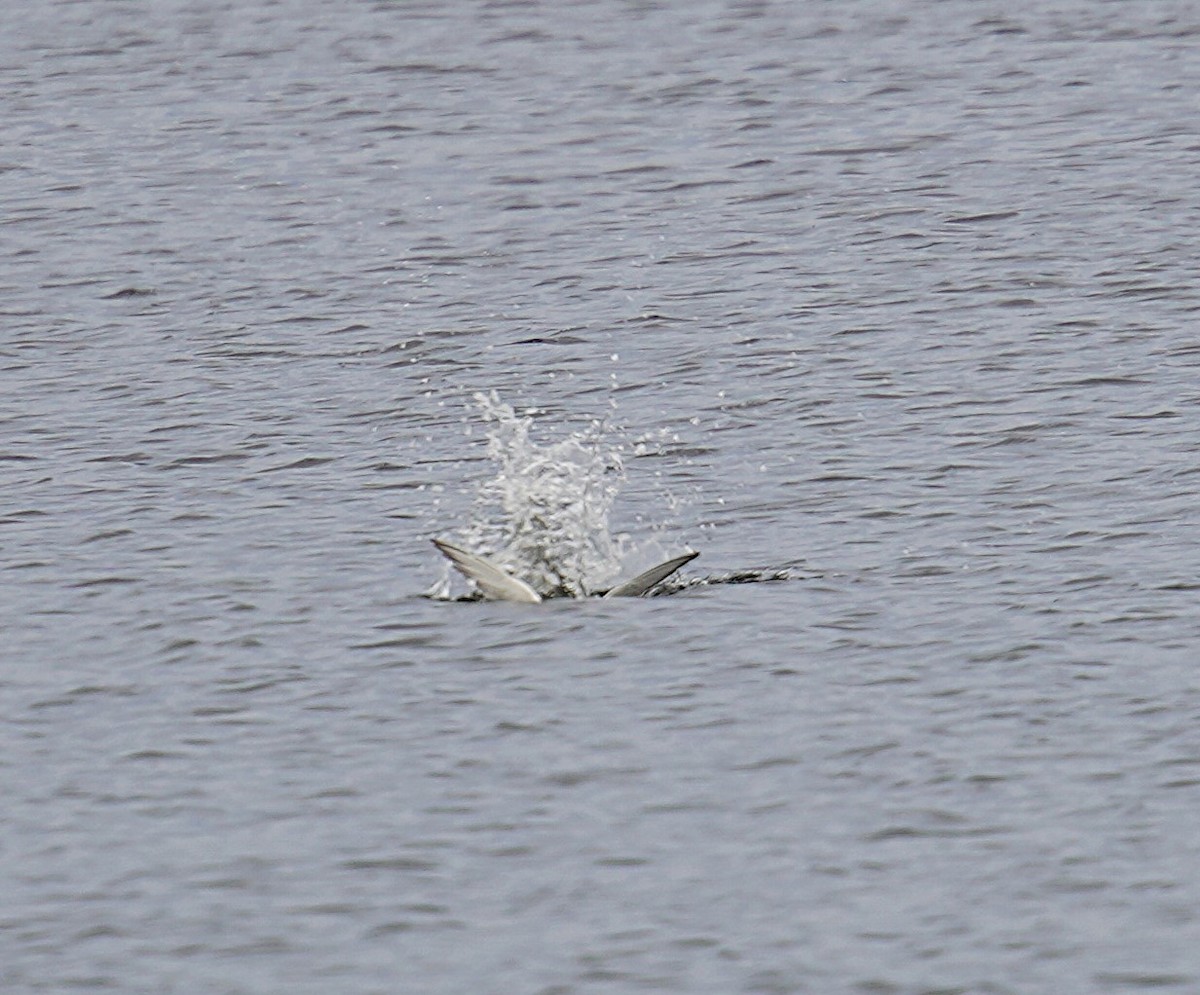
897	297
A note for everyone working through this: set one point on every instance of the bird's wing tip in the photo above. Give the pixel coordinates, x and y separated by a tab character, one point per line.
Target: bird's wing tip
492	581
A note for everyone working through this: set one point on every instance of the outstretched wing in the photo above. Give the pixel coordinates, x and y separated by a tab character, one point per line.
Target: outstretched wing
644	581
492	582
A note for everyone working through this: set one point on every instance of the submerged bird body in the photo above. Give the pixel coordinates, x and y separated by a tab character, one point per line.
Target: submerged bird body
495	584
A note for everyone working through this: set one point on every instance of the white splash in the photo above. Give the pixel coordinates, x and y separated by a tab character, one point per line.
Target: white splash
544	515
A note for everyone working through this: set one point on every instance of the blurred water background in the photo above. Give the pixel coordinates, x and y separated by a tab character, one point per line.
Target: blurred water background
897	297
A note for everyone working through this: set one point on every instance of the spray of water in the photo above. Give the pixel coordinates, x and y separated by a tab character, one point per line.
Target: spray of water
544	515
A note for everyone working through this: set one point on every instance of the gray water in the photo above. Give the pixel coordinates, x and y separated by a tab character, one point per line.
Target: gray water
898	297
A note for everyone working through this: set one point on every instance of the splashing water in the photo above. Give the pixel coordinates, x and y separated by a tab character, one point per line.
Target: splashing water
544	516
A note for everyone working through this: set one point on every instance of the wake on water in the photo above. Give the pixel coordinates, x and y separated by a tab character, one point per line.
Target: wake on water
544	516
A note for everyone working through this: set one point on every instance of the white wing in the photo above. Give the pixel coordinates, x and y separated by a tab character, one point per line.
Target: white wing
646	580
492	582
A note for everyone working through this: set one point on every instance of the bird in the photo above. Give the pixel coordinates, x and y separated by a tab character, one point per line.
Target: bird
495	584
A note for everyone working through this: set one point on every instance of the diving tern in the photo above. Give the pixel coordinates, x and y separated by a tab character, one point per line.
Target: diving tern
495	584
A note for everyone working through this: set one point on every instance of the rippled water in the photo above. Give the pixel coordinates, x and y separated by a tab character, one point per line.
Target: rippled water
897	297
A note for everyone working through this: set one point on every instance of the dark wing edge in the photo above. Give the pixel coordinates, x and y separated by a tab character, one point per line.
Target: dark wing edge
642	583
